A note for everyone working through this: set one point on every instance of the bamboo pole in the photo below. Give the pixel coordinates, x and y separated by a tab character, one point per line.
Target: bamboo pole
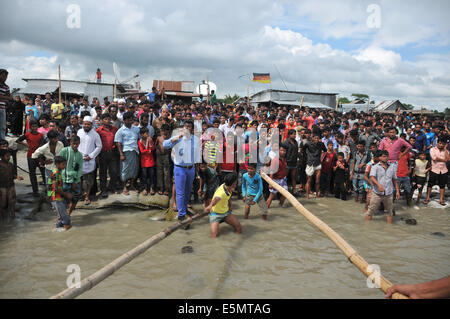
109	269
301	103
115	89
59	80
352	255
367	108
207	85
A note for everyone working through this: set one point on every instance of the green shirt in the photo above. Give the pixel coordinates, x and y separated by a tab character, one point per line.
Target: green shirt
69	174
52	190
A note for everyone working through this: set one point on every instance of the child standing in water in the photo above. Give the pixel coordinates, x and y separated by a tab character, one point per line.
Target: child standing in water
421	169
367	181
220	208
7	187
57	194
340	169
252	191
278	172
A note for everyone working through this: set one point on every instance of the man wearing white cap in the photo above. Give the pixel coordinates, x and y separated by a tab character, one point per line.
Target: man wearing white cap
90	147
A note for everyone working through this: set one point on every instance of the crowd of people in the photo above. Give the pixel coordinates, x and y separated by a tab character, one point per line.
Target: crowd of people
204	151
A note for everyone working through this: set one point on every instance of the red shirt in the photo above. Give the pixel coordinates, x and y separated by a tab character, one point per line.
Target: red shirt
107	137
33	141
327	162
311	121
282	168
228	166
147	153
402	168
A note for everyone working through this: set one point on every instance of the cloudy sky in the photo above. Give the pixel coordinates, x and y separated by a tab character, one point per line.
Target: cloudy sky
387	49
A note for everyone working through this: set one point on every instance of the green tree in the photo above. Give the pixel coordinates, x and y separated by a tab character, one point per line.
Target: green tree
344	100
230	99
409	106
361	96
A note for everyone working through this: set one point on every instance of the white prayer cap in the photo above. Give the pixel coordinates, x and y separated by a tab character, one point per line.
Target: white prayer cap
116	100
121	101
296	110
88	119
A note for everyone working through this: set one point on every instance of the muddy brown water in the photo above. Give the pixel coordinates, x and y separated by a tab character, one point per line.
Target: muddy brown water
285	257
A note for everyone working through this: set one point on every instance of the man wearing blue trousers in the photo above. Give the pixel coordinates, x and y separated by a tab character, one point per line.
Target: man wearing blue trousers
186	149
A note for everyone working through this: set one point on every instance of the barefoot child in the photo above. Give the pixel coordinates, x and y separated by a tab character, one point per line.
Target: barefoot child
252	191
57	194
7	187
367	181
421	169
340	169
220	208
163	162
278	172
147	148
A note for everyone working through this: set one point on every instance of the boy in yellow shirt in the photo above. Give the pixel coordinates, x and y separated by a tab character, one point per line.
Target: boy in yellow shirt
220	207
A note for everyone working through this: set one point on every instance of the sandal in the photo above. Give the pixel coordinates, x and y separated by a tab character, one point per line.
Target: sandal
443	203
87	202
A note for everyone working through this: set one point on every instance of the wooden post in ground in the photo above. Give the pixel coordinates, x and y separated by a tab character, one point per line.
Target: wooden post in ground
112	267
59	80
207	85
115	89
351	254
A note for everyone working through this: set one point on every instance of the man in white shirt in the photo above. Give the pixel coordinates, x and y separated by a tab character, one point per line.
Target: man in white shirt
90	147
229	127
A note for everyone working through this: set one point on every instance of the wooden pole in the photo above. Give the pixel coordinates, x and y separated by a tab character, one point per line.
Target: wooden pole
337	102
352	255
301	103
109	269
367	108
207	85
59	80
115	89
248	96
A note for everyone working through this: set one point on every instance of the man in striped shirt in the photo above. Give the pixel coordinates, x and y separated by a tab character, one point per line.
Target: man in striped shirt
4	98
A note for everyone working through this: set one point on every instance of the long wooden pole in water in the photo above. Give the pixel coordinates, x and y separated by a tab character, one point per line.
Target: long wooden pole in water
352	255
109	269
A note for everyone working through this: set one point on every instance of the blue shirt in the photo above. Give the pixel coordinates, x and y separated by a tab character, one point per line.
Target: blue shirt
252	186
33	108
186	152
128	137
151	96
421	141
332	139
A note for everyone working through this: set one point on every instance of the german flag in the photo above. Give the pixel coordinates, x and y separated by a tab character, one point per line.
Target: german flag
261	77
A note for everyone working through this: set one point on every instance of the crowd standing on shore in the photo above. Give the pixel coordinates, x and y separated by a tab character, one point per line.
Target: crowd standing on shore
127	143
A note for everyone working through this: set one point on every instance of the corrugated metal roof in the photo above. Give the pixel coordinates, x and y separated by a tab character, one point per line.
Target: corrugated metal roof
178	86
38	88
73	87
